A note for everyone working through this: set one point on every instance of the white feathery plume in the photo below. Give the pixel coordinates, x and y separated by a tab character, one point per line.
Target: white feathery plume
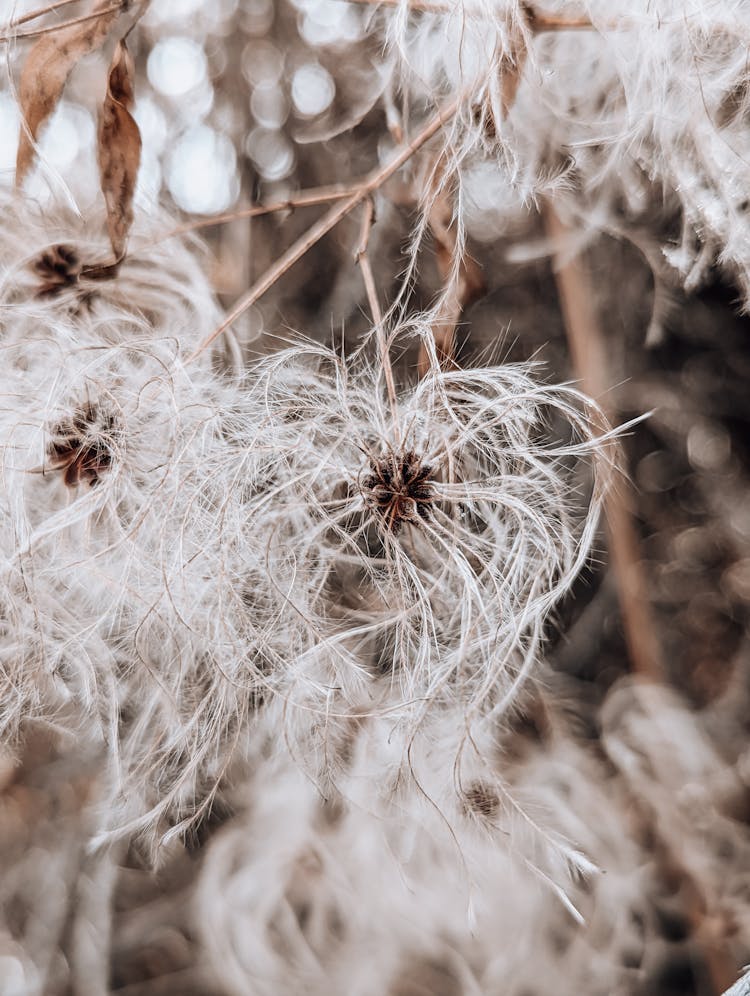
690	795
113	612
54	279
350	890
140	614
178	546
180	549
425	534
646	106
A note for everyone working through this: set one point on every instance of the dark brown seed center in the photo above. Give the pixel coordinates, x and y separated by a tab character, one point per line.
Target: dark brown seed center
82	446
399	489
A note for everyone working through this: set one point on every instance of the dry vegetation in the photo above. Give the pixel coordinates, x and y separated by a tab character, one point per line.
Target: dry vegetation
375	519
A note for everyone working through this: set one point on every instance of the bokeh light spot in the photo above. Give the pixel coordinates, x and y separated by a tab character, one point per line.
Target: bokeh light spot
313	89
271	152
202	171
176	66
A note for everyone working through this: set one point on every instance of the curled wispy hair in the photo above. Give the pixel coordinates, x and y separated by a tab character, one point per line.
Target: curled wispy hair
425	534
574	111
57	280
116	625
382	878
179	547
89	442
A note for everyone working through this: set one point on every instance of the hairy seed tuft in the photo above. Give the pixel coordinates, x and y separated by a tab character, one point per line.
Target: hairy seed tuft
399	489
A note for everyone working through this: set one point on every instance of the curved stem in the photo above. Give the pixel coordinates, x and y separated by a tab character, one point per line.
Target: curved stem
329	220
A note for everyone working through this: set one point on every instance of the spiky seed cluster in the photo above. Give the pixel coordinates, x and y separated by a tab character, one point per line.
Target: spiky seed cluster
118	626
82	446
301	580
58	268
49	258
398	488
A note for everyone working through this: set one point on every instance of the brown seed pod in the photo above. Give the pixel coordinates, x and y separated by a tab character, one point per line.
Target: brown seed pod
58	268
482	800
399	489
82	446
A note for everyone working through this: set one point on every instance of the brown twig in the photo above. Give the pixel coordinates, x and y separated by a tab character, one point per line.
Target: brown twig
22	35
362	257
305	198
463	278
541	23
588	352
329	220
40	12
589	359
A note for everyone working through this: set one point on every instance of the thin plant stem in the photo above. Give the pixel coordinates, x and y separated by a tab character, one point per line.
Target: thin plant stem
305	198
550	22
463	276
48	29
464	282
588	353
589	358
463	286
40	12
362	258
329	220
541	23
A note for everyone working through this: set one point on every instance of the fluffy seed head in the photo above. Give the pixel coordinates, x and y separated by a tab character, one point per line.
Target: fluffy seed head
613	142
426	537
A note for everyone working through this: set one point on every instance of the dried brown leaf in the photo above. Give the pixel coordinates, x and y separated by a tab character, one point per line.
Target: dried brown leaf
119	149
45	73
